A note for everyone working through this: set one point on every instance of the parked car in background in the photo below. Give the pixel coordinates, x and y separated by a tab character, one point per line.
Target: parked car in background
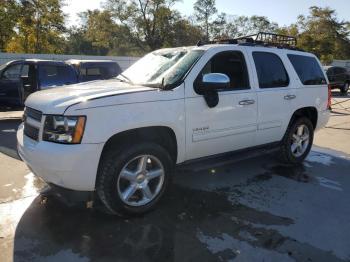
18	79
89	70
339	78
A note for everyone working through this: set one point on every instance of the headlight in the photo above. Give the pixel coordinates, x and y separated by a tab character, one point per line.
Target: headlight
64	129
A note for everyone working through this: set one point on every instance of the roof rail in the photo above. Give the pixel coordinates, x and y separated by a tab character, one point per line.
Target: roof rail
259	39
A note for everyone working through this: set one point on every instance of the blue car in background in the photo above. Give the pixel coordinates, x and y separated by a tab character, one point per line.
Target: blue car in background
20	78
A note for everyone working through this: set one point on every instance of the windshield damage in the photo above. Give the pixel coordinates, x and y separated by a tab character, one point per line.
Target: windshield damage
161	69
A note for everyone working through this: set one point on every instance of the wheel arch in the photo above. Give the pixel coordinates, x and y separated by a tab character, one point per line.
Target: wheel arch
309	112
162	135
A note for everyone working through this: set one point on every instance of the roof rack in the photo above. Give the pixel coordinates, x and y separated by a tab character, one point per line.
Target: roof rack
260	39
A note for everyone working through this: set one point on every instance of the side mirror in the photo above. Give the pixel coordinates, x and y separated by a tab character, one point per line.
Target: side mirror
214	81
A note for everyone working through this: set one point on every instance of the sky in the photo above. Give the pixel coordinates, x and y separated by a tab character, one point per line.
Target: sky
284	12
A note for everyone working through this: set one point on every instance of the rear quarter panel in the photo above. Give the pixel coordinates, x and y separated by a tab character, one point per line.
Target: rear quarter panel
309	95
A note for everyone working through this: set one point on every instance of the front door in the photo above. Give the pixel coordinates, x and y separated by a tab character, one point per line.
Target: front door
10	85
231	123
29	80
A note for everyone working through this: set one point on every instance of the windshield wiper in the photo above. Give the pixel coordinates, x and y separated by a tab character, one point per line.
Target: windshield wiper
128	80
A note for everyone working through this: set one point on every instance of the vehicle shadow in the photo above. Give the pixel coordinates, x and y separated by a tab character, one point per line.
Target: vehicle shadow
190	224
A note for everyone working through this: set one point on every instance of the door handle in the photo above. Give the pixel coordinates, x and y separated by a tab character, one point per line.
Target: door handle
246	102
289	97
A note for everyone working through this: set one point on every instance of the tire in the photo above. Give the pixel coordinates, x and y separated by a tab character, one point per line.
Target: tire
288	152
124	183
344	90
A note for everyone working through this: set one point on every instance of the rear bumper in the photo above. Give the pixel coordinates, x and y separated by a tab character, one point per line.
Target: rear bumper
69	166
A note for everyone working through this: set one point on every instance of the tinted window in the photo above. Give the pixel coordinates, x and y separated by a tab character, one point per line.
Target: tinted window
25	71
51	75
340	70
232	64
13	72
308	69
270	69
93	72
330	71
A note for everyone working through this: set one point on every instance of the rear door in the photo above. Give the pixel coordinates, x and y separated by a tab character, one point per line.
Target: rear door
274	95
10	84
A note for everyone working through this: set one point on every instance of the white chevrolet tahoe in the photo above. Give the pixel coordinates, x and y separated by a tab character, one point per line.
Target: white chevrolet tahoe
120	138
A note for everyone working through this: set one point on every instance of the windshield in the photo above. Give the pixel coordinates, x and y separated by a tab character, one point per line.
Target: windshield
161	68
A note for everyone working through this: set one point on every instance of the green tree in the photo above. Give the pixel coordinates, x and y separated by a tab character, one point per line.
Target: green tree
100	31
8	19
99	34
204	10
148	22
39	28
322	33
226	26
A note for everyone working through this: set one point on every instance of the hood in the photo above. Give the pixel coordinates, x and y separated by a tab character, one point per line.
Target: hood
56	100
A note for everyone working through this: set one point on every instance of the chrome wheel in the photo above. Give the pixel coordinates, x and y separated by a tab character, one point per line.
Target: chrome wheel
300	140
140	180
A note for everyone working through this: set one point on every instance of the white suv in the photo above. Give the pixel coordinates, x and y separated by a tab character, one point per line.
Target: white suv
121	138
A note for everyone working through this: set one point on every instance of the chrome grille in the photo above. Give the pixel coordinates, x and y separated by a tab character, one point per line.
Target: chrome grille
31	131
32	122
32	113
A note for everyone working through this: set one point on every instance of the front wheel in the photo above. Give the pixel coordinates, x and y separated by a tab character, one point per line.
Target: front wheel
297	141
344	90
132	179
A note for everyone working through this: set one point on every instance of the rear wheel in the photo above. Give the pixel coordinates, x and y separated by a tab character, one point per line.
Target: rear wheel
297	141
344	90
132	179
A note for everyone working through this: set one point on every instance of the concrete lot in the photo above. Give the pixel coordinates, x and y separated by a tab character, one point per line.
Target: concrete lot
253	210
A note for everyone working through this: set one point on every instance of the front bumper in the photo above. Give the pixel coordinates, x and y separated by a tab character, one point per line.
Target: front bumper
69	166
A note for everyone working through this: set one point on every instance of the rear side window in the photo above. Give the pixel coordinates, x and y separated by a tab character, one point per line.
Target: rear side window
270	69
51	75
102	71
308	70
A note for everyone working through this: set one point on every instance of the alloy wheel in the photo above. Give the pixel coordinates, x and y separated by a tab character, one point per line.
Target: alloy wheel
300	140
140	180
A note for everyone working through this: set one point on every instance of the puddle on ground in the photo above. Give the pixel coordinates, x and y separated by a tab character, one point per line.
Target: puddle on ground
178	230
297	173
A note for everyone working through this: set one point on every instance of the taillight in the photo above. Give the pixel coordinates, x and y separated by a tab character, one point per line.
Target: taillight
329	104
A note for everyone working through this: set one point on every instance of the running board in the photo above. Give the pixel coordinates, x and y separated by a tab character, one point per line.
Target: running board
220	160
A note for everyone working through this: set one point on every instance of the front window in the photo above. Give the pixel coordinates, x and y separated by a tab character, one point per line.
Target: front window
13	72
2	67
162	68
